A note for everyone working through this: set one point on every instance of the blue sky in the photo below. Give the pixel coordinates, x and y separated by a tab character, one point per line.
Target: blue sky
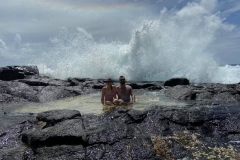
29	24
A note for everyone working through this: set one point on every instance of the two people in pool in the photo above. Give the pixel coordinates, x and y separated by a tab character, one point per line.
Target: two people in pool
117	95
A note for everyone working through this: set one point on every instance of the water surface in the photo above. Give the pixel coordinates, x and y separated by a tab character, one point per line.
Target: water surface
90	104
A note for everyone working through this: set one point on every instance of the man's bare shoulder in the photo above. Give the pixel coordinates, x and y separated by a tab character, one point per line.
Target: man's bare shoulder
128	87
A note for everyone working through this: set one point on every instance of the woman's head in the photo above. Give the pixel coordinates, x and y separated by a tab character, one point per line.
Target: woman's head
108	81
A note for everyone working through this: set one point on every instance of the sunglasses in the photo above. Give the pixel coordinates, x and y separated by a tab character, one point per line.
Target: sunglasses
122	79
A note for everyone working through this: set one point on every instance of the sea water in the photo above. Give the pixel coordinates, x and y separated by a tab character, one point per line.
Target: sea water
11	113
91	104
158	48
172	44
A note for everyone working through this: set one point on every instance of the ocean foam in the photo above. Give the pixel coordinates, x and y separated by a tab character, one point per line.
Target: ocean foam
161	48
174	44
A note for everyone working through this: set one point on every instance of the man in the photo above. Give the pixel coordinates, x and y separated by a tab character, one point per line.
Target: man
124	92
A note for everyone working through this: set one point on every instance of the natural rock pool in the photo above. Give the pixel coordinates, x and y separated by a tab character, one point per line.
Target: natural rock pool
90	103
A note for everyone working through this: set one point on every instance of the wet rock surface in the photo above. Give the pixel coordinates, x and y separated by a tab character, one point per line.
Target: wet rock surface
176	81
158	133
208	126
205	93
32	87
17	72
58	116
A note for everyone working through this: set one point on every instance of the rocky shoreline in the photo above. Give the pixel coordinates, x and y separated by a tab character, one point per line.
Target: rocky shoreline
208	127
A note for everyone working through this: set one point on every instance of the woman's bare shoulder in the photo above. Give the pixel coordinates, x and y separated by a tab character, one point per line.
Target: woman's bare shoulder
104	87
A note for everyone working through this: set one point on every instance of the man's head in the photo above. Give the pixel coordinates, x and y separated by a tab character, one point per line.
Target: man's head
122	80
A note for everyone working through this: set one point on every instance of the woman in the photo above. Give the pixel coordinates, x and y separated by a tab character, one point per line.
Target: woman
108	93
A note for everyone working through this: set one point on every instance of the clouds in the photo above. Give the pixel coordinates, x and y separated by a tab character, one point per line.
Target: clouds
27	24
43	18
193	10
230	7
227	38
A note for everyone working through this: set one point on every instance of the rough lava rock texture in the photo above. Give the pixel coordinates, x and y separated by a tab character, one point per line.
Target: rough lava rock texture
207	127
157	133
32	87
206	93
17	72
176	81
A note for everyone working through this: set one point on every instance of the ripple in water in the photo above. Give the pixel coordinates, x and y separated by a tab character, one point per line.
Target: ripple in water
90	104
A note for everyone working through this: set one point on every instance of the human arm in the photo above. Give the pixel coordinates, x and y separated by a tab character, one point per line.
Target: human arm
133	98
117	93
102	97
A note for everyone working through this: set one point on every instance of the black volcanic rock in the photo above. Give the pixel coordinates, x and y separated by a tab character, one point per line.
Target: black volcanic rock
41	89
98	86
17	92
53	117
176	81
158	133
76	152
205	93
181	92
65	132
149	86
208	125
17	72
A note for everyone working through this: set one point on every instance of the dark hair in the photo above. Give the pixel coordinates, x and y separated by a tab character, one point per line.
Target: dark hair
121	77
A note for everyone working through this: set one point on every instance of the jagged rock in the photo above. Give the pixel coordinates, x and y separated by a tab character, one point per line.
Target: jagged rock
226	97
5	97
73	81
141	148
98	86
18	92
10	129
158	133
149	86
181	92
38	89
205	94
155	88
161	132
69	132
53	117
76	152
176	81
130	133
137	116
17	72
51	93
44	81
